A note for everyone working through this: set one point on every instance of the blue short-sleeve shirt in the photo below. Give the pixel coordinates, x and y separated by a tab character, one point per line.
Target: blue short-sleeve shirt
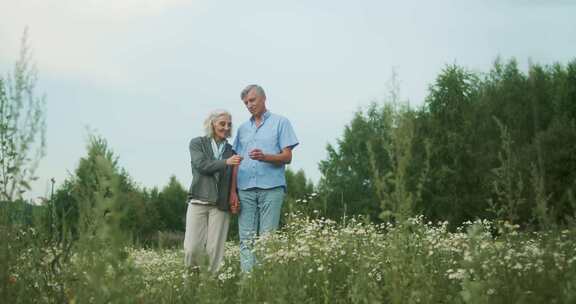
273	135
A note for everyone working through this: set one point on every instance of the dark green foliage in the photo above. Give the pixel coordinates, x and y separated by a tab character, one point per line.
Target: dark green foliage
143	213
171	206
451	129
346	184
298	185
299	188
399	186
500	144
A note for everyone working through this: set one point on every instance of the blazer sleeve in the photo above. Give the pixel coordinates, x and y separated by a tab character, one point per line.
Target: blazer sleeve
202	162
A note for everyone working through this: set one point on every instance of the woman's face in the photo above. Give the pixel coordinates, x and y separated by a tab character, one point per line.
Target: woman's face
222	126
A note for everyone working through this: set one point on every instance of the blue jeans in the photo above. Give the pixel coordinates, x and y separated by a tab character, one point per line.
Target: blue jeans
259	214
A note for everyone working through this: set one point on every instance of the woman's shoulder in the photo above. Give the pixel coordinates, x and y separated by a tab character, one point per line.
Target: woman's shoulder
197	140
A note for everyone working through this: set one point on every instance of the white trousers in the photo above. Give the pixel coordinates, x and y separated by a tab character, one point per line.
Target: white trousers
206	232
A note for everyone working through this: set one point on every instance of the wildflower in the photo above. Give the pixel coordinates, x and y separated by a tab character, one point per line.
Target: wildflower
459	274
467	256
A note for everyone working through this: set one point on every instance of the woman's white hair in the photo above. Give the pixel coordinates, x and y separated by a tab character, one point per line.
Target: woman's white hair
209	121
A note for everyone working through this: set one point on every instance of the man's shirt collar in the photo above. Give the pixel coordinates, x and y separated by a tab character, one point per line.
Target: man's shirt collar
265	116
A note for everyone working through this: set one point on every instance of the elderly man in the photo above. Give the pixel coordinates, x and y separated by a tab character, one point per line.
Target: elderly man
266	142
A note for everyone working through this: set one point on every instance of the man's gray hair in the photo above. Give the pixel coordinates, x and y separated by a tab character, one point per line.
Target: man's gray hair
208	128
259	91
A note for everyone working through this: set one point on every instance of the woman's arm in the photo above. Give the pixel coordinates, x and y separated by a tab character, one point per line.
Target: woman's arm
202	162
234	201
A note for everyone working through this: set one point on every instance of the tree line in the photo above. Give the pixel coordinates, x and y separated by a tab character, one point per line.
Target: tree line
497	145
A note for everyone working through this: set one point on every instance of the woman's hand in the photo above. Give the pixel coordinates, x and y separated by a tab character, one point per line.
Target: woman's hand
234	203
234	160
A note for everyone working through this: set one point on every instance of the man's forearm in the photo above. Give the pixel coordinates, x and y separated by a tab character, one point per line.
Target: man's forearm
277	159
282	158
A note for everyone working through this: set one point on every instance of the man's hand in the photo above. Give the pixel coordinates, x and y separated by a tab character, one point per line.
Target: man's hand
284	157
234	203
234	160
257	154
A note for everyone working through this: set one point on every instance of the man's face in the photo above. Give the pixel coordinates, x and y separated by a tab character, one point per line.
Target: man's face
255	103
222	126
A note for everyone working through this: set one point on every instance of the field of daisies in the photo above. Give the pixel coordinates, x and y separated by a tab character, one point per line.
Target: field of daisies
309	261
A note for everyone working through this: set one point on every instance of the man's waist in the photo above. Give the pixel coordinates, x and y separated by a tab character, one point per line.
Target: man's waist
251	185
260	188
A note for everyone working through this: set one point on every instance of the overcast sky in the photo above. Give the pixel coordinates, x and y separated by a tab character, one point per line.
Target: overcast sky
145	73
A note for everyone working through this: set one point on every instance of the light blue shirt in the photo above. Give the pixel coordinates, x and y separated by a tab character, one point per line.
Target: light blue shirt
273	135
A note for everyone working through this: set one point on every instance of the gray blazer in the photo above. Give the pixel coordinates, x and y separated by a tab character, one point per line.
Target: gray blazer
211	177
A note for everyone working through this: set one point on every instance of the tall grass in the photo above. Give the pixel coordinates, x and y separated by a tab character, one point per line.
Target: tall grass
313	260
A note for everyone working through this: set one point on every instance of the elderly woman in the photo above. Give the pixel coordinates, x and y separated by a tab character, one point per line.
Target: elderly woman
211	194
